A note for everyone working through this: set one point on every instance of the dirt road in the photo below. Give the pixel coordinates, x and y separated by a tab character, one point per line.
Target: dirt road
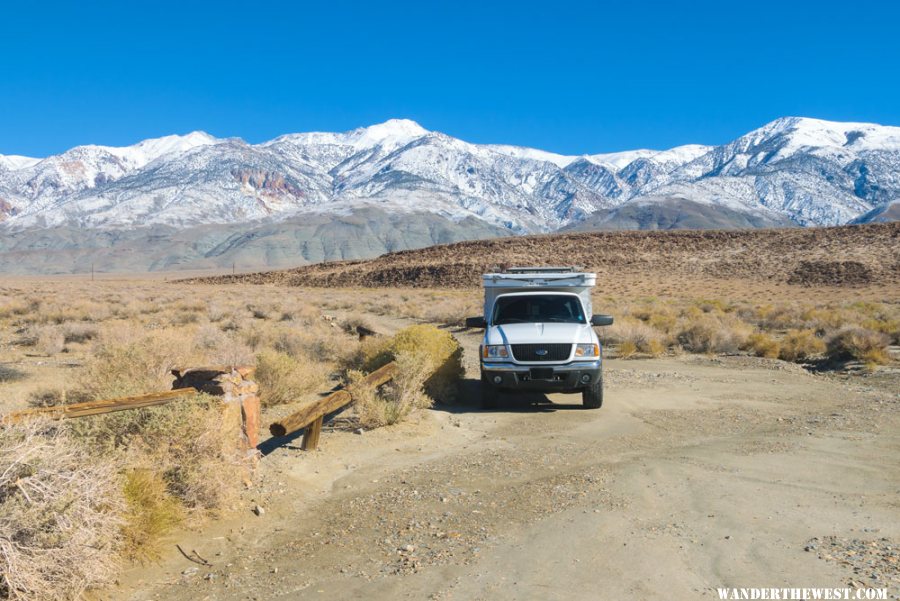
697	473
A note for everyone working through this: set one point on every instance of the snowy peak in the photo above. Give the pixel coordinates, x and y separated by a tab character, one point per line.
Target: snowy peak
142	153
393	132
150	150
792	134
11	162
327	150
55	178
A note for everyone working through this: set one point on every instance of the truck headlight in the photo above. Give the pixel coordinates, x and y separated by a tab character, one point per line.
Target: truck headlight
495	351
587	350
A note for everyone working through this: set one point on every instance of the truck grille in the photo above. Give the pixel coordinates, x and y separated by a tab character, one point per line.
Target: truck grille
541	352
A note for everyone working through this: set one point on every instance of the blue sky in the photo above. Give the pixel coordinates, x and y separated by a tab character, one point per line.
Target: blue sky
571	77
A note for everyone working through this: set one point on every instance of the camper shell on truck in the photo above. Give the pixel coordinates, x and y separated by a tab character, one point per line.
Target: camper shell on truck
539	333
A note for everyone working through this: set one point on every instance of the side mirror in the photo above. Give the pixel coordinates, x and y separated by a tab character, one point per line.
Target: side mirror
475	322
601	320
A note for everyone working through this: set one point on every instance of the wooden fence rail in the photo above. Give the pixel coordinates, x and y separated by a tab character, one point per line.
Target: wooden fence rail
312	415
100	407
237	393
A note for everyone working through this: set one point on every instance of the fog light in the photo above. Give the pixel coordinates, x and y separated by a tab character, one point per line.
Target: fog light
586	378
497	379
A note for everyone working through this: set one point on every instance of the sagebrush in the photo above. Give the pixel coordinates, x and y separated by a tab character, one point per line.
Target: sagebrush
61	514
439	351
395	400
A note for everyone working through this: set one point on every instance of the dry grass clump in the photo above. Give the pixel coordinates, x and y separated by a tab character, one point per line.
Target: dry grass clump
712	306
626	349
190	306
284	378
203	470
216	311
44	340
131	361
439	351
221	348
709	333
780	317
300	312
52	396
79	332
60	514
664	320
823	319
375	408
49	340
255	336
315	344
151	513
632	336
11	374
885	325
183	319
861	344
208	337
260	312
763	345
10	308
800	345
230	353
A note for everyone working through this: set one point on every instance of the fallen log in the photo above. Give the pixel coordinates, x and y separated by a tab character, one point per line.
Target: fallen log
99	407
334	401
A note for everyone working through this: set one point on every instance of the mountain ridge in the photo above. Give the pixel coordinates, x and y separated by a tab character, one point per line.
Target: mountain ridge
811	171
141	207
864	258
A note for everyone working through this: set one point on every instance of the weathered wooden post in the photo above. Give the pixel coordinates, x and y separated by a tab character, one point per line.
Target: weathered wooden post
311	435
240	396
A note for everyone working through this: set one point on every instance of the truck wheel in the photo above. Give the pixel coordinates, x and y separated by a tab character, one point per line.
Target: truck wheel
489	396
592	396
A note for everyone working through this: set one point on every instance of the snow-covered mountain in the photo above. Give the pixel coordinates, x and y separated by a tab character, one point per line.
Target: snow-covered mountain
793	170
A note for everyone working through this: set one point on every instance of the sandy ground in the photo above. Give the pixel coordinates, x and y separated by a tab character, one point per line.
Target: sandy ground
697	473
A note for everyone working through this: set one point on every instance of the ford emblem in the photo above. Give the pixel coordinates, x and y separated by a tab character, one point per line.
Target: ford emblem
541	352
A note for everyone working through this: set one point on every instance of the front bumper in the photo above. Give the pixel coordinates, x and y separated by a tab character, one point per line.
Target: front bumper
550	378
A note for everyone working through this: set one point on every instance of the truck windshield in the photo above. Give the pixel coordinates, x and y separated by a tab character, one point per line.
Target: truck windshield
537	308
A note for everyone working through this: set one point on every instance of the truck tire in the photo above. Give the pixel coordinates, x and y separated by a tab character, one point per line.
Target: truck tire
592	396
489	396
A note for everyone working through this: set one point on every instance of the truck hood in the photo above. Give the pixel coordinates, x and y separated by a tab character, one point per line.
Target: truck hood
537	333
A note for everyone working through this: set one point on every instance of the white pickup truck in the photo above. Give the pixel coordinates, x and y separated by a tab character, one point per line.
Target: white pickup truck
539	335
